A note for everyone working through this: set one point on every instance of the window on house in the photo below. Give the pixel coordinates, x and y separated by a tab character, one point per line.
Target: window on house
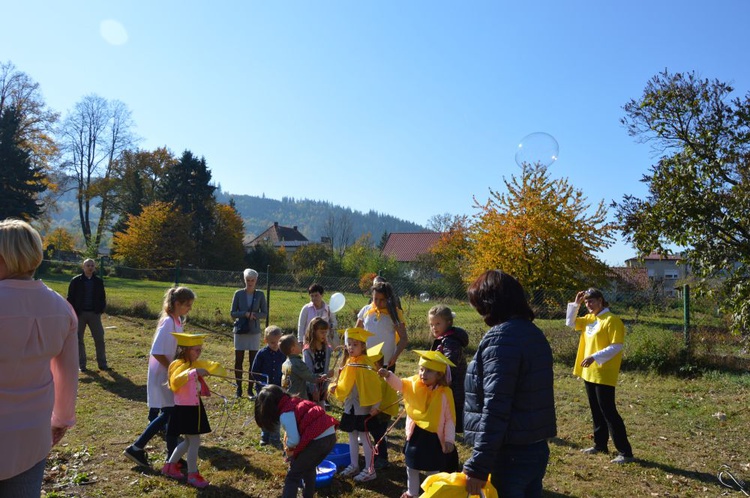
671	275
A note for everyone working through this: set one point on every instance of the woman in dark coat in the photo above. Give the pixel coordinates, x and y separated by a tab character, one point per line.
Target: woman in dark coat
510	407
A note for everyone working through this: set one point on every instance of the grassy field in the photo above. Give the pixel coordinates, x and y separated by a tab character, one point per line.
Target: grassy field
682	429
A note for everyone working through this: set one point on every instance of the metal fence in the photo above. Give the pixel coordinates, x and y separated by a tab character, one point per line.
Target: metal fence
691	320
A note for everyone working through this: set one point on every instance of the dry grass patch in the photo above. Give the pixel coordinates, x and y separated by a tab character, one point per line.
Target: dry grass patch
674	425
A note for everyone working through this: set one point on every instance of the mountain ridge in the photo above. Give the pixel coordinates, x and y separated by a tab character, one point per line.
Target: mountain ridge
310	216
259	213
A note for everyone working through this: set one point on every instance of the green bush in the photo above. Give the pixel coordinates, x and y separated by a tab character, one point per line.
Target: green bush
652	348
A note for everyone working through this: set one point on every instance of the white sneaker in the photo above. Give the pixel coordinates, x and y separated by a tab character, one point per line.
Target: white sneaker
349	471
365	476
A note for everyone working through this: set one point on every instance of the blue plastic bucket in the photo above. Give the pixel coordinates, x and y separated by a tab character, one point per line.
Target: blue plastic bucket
324	473
340	455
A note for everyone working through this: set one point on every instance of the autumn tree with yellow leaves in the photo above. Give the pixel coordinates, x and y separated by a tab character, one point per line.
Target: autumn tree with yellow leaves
543	231
156	238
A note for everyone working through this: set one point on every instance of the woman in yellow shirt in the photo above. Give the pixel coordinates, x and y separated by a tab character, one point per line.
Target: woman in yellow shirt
598	364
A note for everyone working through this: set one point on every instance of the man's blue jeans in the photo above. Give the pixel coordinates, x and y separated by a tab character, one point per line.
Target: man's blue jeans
519	470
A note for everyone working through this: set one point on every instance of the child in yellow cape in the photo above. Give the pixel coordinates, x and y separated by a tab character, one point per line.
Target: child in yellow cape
360	389
430	418
189	418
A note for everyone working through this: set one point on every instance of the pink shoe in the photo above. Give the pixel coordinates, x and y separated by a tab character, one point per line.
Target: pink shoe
172	470
195	479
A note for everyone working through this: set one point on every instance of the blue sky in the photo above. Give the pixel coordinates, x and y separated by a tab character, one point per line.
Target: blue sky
409	108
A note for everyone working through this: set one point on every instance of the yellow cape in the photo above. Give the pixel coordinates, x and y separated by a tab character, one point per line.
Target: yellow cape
366	380
423	404
178	371
389	405
445	485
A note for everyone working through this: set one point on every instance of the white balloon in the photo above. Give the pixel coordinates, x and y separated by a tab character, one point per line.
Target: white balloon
337	302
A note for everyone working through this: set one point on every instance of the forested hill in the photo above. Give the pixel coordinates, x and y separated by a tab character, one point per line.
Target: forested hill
259	213
310	216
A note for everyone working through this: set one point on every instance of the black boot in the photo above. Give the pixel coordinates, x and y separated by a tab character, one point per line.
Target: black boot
239	390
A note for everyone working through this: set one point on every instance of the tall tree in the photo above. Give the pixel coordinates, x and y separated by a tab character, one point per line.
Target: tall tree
450	253
187	184
156	238
339	230
137	174
93	135
21	181
540	231
36	122
699	190
224	250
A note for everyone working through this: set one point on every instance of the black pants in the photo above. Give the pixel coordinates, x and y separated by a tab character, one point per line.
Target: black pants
303	467
377	426
606	419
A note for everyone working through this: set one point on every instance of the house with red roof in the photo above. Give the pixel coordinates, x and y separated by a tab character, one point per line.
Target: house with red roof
279	236
404	247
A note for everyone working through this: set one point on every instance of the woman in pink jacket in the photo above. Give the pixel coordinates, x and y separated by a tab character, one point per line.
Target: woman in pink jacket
38	363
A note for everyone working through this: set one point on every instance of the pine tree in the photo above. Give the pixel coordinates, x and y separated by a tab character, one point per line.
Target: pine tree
20	181
187	184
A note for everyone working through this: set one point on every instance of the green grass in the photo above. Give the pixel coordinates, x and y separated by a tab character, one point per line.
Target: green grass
143	298
682	428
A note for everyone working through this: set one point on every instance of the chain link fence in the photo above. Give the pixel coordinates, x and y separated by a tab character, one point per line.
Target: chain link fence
663	332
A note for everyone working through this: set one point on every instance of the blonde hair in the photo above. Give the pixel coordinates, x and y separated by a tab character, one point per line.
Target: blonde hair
173	296
287	343
273	331
442	311
316	323
20	247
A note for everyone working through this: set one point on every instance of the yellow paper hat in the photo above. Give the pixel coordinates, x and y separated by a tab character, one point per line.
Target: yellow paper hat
358	334
187	340
376	352
434	360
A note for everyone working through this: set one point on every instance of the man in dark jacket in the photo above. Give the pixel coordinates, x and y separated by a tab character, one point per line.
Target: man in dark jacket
86	295
510	407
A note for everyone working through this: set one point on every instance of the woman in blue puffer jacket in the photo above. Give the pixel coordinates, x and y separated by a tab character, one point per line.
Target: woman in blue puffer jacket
510	408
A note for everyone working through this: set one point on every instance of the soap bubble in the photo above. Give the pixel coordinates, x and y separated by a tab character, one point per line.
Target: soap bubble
113	32
424	297
537	149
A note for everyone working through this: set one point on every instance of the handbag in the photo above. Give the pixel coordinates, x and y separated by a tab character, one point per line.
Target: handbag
241	326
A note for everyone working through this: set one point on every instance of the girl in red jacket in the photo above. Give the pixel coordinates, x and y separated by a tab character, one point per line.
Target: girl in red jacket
310	435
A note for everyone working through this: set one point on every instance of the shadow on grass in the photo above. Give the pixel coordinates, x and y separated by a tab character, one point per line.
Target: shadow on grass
116	384
563	443
223	491
224	459
703	477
